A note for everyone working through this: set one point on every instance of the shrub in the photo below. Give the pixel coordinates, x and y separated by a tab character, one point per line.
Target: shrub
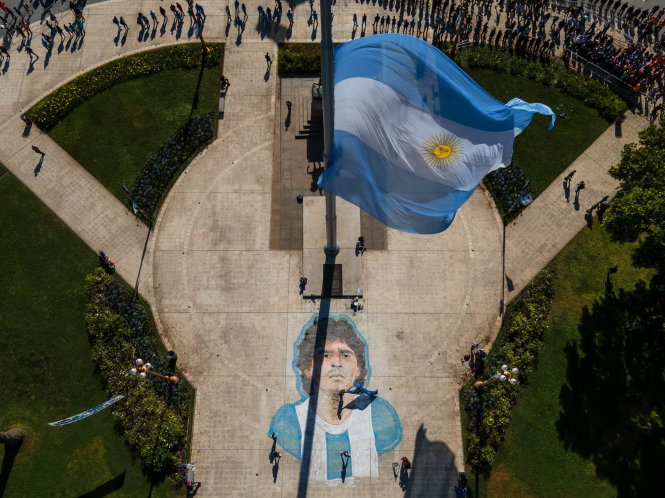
154	414
52	108
161	167
506	186
299	59
488	408
591	92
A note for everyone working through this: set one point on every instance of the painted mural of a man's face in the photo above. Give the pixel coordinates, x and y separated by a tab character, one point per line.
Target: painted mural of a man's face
335	364
338	366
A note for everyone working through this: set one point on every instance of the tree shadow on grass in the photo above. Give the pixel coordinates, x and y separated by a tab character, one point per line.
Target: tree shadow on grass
614	400
11	450
105	489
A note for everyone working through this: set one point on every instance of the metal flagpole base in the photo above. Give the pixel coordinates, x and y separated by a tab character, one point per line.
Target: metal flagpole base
331	251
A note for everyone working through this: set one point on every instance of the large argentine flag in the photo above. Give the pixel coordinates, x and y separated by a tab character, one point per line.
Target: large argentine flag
414	135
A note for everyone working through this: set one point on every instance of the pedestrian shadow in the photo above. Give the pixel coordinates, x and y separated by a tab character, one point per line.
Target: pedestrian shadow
266	76
47	58
27	128
5	68
617	126
123	40
566	190
314	32
345	465
39	165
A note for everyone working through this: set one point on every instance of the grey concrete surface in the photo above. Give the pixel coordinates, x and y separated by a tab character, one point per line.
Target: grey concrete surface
230	306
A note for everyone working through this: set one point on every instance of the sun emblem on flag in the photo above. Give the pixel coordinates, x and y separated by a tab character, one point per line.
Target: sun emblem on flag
440	150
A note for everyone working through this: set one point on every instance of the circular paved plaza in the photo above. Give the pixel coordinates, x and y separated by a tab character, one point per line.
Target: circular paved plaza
223	265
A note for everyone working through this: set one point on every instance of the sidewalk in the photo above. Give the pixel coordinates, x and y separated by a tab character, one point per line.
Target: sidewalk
549	223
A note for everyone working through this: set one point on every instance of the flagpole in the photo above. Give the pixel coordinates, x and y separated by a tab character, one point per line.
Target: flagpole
328	119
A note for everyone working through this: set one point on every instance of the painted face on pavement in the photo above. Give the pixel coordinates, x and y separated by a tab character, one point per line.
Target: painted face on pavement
339	366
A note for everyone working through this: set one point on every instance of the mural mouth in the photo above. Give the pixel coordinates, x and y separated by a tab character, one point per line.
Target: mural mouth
336	376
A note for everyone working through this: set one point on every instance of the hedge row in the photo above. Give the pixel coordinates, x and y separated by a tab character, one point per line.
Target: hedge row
591	92
304	59
54	107
299	59
488	408
160	168
154	414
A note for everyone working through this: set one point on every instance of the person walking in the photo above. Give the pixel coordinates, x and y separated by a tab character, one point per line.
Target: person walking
162	11
37	150
580	186
268	61
123	23
303	284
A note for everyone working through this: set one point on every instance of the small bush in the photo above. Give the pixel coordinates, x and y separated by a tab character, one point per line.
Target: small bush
161	167
506	186
488	408
299	59
52	108
154	414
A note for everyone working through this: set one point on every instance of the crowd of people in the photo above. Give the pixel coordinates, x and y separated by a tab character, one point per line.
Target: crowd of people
16	23
539	27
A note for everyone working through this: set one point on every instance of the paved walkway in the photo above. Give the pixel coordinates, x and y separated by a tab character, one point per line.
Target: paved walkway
550	222
230	306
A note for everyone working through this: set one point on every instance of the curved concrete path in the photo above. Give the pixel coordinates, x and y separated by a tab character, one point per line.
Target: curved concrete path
230	307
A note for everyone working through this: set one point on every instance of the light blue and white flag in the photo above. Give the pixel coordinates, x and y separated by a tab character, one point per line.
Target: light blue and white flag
414	134
87	413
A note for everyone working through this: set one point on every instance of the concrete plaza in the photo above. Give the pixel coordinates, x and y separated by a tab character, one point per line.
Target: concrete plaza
224	260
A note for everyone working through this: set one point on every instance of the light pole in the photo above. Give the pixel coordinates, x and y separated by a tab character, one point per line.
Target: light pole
145	369
505	374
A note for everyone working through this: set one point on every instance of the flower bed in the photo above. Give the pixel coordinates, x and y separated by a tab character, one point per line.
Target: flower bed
51	109
506	186
487	409
154	414
161	168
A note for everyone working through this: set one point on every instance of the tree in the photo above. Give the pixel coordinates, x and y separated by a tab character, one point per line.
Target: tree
12	438
637	214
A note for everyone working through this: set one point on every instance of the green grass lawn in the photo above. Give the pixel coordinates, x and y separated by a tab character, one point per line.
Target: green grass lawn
113	133
542	154
45	366
533	460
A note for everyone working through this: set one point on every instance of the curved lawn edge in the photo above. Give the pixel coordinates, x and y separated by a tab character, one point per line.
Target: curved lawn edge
60	102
